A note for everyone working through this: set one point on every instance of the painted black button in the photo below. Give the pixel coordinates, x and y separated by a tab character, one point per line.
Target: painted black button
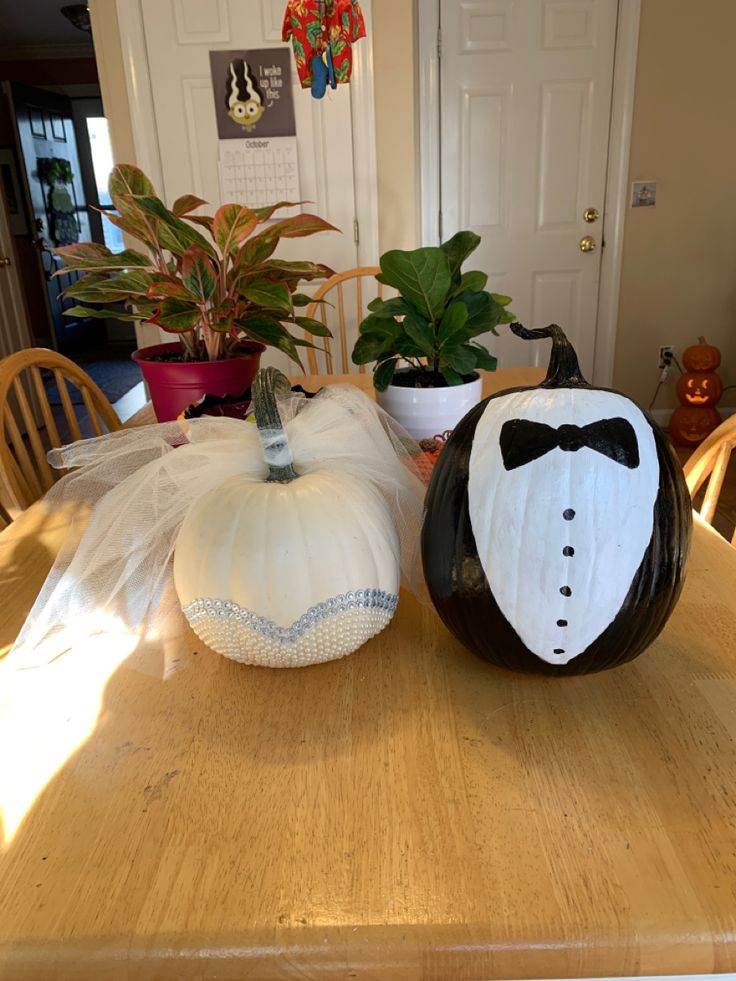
568	514
559	650
562	623
565	590
568	550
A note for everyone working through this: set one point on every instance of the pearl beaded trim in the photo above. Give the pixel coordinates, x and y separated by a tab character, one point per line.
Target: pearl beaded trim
326	631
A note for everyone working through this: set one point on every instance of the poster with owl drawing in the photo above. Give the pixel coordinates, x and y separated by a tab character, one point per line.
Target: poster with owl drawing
253	94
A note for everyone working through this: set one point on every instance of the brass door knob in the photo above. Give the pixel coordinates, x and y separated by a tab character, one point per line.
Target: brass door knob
4	260
587	243
591	214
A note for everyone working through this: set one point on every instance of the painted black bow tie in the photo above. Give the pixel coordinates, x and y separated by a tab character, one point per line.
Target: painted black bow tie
522	441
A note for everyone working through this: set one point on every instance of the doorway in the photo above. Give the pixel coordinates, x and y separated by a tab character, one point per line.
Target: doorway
526	113
54	134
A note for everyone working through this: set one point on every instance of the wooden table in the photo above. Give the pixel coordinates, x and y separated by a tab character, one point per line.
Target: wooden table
408	812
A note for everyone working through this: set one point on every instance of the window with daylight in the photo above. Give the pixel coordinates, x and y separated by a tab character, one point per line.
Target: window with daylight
102	164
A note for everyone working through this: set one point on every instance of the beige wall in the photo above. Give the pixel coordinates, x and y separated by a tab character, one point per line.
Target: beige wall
679	266
397	145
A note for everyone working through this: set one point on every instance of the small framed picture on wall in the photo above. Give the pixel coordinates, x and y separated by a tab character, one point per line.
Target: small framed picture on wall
643	194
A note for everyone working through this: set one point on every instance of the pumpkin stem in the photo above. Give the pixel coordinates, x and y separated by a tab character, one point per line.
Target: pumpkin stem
564	370
267	385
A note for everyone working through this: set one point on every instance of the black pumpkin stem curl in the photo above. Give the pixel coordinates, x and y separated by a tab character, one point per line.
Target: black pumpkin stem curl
564	370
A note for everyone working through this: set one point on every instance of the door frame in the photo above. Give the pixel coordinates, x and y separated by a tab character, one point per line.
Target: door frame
16	334
617	171
145	136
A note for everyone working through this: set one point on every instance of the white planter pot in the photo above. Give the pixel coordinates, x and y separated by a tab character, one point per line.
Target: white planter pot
425	412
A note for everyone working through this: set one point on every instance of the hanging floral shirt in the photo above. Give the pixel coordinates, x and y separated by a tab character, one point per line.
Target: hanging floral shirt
343	24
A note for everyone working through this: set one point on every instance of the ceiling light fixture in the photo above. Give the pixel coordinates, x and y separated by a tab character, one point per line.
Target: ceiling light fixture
78	14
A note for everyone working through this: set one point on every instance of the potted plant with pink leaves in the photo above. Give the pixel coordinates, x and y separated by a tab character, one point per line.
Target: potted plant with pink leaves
210	280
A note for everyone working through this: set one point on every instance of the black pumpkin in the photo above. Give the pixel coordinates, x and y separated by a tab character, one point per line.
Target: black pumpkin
557	525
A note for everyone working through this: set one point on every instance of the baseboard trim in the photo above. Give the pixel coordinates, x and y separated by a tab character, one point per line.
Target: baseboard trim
132	402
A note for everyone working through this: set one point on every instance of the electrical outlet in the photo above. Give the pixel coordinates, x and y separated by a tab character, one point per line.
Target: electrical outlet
666	354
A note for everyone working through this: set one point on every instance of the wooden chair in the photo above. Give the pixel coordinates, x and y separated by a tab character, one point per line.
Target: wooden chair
24	469
710	463
343	325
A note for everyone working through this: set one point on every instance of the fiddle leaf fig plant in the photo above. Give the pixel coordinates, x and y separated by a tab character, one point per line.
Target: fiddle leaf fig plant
434	322
213	288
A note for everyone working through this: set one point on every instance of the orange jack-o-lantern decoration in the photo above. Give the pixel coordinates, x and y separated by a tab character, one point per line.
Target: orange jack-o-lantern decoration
699	390
689	425
701	357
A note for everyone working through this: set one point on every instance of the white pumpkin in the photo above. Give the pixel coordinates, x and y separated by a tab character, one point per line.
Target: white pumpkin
290	570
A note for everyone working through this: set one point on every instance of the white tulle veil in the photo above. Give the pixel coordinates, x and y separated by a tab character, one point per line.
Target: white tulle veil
129	492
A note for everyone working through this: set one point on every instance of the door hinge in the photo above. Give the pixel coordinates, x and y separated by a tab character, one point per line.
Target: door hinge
356	231
439	42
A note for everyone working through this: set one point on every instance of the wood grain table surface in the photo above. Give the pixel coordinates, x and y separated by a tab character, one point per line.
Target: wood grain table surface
408	812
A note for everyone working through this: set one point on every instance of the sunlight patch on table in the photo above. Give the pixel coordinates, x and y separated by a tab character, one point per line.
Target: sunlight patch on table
47	712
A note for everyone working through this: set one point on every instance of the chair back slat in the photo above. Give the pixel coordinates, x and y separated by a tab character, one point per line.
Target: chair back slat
311	356
91	411
30	427
359	299
360	318
16	493
347	294
706	470
69	413
327	341
29	421
715	484
43	401
341	324
29	485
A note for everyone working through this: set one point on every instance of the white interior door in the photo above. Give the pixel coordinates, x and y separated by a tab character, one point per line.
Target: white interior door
179	35
525	91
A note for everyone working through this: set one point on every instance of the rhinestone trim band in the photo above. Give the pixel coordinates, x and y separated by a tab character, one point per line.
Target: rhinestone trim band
327	631
367	599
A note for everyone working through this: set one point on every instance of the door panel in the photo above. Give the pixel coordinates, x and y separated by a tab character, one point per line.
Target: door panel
525	92
563	149
484	134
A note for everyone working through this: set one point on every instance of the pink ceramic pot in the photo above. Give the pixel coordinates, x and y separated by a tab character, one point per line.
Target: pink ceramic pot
176	384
